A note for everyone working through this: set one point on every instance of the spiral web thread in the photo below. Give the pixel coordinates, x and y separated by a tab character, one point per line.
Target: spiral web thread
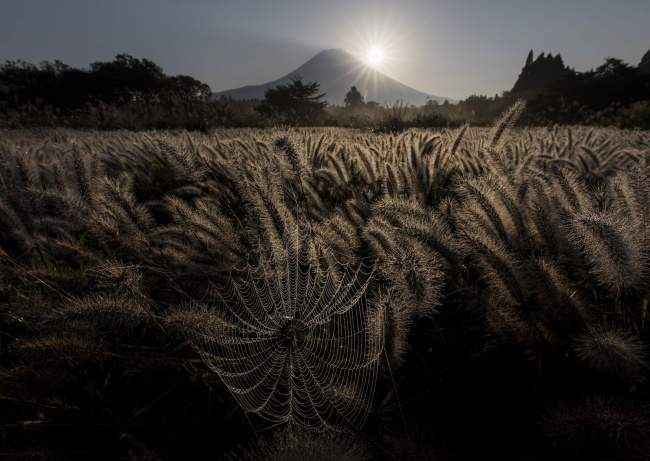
296	344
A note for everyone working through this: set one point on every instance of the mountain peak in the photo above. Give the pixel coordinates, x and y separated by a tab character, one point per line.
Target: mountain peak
336	55
337	70
333	52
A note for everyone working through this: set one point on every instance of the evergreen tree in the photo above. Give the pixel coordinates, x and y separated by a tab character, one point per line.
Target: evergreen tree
530	59
644	65
295	103
353	98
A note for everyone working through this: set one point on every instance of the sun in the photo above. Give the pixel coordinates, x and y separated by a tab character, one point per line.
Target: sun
375	56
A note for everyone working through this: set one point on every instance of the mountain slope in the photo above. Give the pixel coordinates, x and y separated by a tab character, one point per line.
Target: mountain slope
337	70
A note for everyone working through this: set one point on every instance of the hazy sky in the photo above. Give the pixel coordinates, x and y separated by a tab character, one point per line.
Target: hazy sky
445	47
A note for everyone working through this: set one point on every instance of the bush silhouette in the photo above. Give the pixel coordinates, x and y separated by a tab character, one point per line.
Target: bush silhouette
353	98
294	103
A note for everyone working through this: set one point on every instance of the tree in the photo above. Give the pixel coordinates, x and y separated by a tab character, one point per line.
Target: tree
644	65
125	75
613	67
353	98
431	103
294	103
61	87
539	73
187	87
530	59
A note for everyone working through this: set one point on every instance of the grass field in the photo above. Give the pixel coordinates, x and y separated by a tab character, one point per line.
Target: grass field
433	294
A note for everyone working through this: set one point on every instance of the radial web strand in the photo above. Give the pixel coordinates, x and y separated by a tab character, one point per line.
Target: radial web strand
296	343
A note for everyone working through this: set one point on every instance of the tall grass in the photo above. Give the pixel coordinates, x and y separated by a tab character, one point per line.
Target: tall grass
510	285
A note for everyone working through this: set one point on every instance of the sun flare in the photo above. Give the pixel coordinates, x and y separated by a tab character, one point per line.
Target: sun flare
374	56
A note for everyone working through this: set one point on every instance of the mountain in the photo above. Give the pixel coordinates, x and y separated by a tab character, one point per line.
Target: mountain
337	71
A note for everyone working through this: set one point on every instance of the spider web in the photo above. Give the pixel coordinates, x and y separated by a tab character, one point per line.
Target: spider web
297	344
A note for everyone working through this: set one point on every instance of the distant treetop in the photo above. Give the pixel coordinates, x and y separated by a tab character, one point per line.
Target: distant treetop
353	98
295	102
644	65
539	73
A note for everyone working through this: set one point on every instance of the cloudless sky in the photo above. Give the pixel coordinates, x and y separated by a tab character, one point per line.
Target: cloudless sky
450	48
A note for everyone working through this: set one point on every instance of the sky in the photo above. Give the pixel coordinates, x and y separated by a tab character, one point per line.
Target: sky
451	48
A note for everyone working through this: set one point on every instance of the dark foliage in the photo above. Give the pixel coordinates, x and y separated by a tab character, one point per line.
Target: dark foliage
127	93
353	98
644	65
539	73
295	103
61	87
614	94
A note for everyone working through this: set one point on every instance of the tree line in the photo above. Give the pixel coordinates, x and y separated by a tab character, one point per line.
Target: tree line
135	93
615	93
63	87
